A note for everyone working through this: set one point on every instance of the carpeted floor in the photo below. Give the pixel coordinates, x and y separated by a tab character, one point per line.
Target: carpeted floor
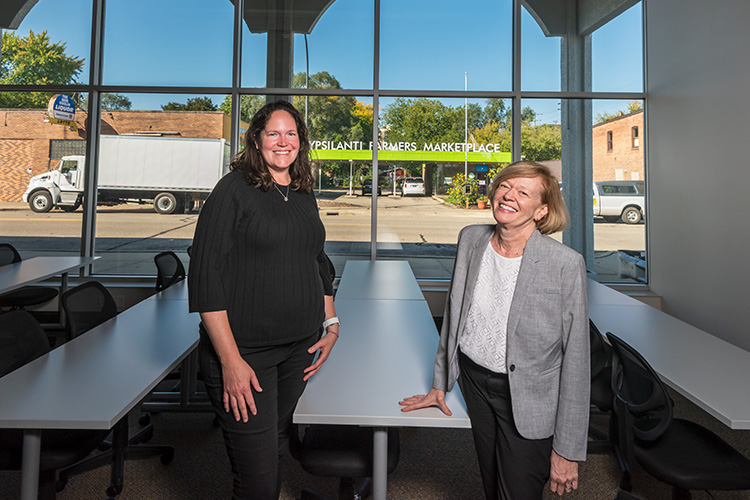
435	464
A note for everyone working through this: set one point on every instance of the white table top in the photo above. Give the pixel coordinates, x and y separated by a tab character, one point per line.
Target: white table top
380	279
386	353
95	379
20	274
710	372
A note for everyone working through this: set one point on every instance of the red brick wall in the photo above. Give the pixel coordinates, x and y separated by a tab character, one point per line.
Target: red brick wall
25	137
623	155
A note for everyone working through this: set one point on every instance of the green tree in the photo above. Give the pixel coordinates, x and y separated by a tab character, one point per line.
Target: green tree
423	120
34	60
110	102
540	143
249	105
192	104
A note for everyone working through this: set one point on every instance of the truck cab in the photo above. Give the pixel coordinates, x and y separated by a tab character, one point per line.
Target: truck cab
620	200
61	187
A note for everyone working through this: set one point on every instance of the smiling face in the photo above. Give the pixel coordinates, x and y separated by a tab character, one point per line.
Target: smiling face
518	202
279	144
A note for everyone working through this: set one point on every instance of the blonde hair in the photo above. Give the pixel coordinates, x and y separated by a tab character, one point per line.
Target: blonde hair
557	217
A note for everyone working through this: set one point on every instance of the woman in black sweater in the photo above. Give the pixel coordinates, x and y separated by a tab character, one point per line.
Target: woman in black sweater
260	280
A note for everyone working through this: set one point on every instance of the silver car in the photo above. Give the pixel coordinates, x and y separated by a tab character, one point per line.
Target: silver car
413	185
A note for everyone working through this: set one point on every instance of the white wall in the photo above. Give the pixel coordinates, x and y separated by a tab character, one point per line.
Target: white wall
698	126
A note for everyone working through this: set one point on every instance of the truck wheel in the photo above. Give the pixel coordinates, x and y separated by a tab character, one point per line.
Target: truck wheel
165	203
71	208
631	215
40	201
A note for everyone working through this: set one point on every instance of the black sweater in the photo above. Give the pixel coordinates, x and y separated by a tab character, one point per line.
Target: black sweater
261	259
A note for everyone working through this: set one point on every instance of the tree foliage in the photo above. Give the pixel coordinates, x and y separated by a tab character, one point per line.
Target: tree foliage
249	105
541	143
34	60
192	104
110	102
632	107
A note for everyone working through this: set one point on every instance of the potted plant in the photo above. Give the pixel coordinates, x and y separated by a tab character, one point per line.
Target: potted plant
482	202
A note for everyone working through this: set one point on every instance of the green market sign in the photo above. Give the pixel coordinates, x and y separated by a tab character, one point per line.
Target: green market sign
443	152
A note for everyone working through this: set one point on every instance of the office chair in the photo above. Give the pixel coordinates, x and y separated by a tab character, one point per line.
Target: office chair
341	451
22	340
86	306
169	270
602	395
26	296
680	453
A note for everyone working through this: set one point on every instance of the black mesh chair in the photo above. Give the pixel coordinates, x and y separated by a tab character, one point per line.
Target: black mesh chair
680	453
86	306
169	270
26	296
22	340
602	395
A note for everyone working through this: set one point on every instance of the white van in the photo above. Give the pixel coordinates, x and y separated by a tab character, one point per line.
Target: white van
623	200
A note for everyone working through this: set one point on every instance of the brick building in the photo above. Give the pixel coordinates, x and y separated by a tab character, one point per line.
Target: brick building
29	141
618	148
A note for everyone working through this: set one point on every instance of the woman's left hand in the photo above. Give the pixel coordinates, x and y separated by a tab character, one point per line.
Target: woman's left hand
563	474
324	345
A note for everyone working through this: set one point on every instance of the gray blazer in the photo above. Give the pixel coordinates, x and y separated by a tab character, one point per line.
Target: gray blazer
547	338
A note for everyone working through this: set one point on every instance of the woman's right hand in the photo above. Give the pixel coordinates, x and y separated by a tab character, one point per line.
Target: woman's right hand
239	383
433	398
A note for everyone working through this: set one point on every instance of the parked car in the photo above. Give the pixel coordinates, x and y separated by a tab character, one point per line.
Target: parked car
367	189
413	185
620	200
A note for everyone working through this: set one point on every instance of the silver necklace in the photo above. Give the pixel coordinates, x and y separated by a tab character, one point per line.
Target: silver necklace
285	196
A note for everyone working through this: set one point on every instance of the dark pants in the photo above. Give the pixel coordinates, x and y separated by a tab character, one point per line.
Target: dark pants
512	467
256	446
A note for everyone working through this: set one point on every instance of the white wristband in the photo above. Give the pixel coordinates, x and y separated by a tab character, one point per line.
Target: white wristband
331	321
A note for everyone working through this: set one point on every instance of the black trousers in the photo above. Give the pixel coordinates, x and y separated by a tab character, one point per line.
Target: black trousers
512	467
256	446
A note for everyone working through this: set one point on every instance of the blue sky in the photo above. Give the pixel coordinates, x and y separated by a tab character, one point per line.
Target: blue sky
424	44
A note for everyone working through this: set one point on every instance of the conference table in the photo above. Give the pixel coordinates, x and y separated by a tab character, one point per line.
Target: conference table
29	271
94	380
385	353
710	372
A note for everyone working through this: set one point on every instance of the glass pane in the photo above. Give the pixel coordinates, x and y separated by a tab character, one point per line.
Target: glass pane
541	138
619	191
429	44
341	148
332	42
424	169
160	42
157	164
59	30
31	147
617	53
540	56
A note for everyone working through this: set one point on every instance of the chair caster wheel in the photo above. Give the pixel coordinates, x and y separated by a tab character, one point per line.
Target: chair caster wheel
167	457
144	420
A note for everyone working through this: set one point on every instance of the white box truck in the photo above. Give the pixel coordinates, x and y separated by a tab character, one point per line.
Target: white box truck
172	173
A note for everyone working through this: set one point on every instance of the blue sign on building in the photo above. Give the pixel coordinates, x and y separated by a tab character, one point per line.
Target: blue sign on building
482	168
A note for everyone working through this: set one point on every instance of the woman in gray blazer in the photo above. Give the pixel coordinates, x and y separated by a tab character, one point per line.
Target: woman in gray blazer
516	330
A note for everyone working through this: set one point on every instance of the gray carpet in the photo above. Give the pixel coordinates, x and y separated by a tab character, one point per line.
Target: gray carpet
435	464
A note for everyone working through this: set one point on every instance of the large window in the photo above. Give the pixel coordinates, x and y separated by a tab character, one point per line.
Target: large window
412	107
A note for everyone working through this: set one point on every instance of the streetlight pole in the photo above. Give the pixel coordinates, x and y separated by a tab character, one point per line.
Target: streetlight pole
466	134
351	177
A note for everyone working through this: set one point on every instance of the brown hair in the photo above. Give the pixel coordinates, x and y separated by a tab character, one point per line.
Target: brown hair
557	216
250	160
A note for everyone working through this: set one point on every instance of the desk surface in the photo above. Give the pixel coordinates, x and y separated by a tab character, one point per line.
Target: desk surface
14	276
710	372
386	353
380	279
95	379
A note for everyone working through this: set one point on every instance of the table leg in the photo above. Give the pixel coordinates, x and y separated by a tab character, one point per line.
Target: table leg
32	450
379	463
